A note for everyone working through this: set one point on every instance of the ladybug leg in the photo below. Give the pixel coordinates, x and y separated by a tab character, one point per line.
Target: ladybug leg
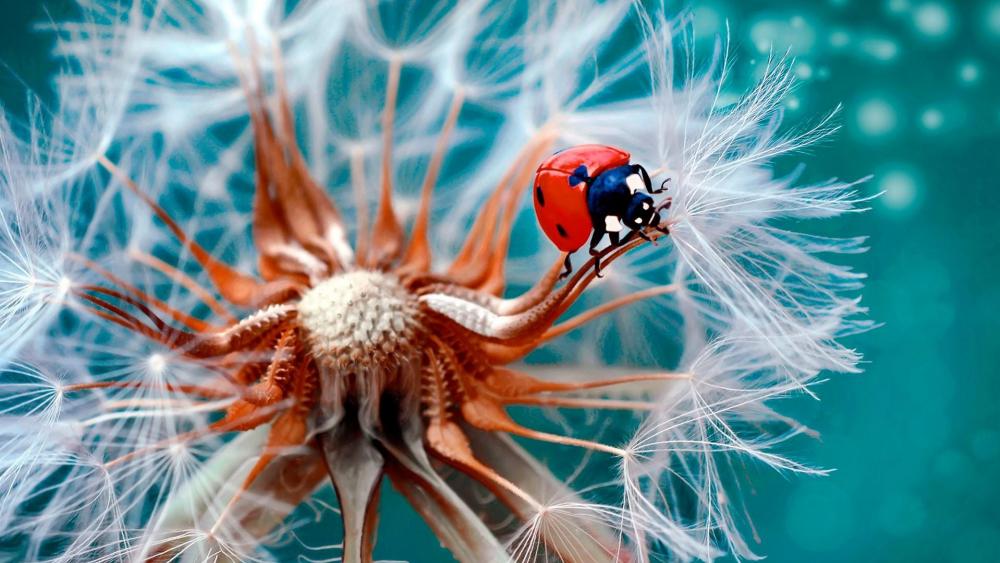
594	241
569	267
615	238
641	171
638	233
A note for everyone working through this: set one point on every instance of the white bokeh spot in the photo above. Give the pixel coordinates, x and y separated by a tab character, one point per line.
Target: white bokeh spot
876	118
932	20
901	186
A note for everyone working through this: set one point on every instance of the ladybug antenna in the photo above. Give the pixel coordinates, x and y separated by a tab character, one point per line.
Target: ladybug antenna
663	185
580	175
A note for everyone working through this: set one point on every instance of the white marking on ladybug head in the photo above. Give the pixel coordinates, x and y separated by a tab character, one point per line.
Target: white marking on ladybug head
645	205
638	220
613	224
634	183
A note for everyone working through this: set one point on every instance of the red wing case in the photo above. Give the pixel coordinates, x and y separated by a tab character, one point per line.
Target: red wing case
560	194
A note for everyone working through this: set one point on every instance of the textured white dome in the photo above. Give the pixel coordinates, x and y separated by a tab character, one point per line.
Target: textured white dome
358	316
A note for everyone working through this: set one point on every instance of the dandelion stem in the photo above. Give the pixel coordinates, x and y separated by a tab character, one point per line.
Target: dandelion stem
511	384
387	234
160	412
358	185
185	281
583	403
179	439
204	392
678	376
418	253
495	279
447	440
566	440
470	265
235	286
190	322
254	418
587	316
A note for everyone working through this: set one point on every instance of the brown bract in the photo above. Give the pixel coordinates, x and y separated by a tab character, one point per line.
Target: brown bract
364	360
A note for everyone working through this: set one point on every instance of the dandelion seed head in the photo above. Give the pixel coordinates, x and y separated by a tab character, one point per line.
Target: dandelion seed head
365	313
184	111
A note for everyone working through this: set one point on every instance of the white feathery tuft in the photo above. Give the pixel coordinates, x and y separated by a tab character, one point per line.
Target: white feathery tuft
730	215
681	470
34	276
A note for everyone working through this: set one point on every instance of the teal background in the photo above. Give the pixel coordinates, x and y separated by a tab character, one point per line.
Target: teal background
914	439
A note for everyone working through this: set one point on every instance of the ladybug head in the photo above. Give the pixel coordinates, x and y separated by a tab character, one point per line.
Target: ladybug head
641	212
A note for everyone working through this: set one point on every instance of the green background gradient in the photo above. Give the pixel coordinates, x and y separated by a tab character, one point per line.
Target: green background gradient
915	440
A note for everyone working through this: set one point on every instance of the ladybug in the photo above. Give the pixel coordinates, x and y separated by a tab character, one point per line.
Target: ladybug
593	189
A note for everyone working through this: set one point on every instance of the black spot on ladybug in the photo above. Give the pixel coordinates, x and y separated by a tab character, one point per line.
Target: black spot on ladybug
562	231
539	196
579	175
